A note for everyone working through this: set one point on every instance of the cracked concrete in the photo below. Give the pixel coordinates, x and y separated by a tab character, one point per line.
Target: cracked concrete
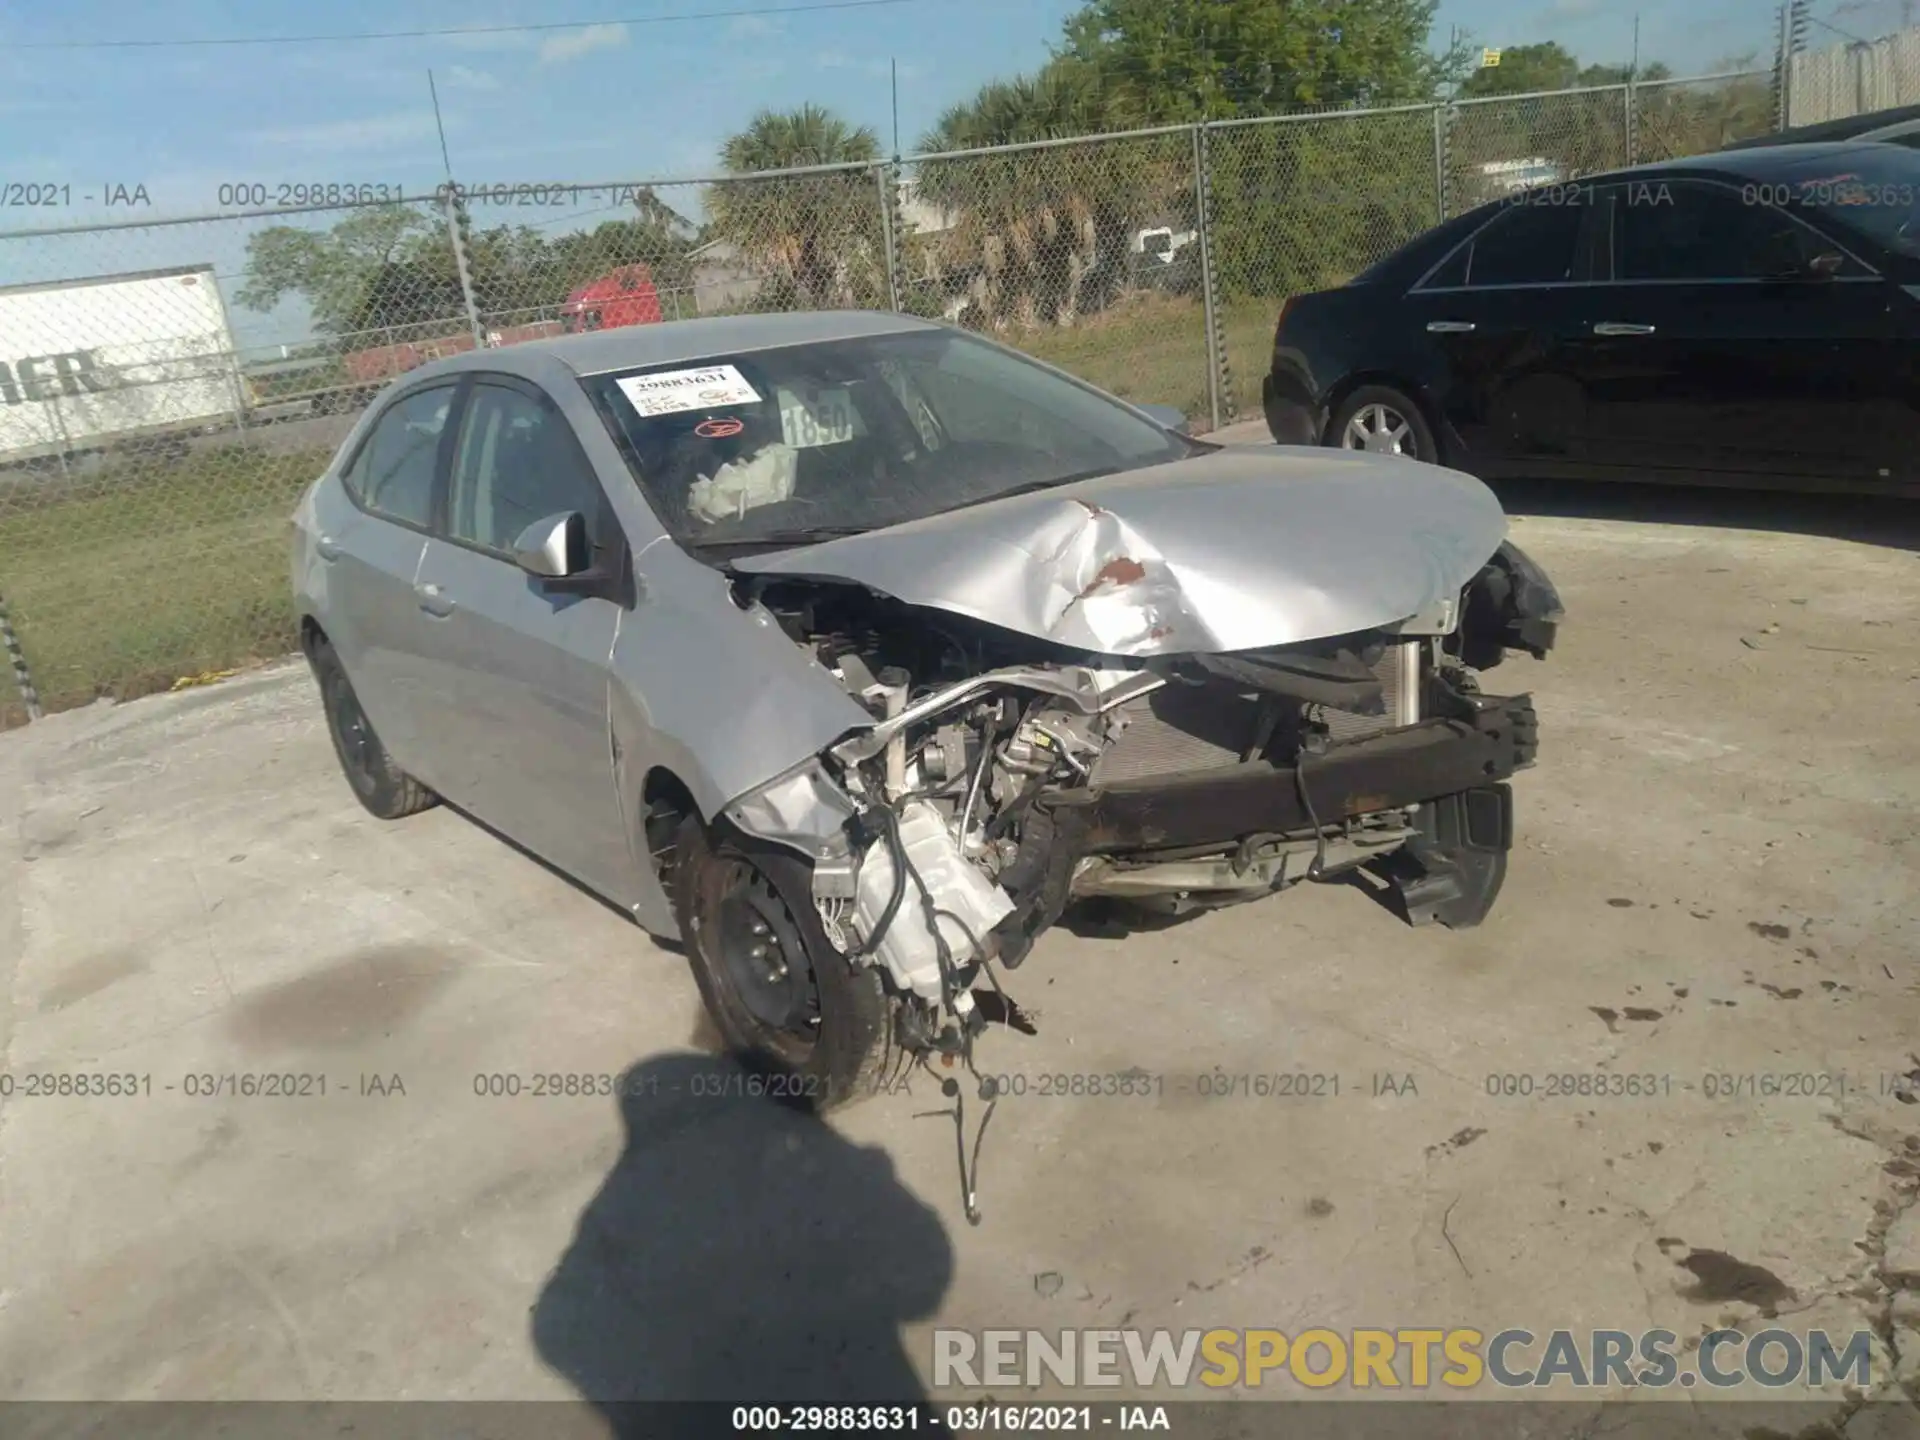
1717	850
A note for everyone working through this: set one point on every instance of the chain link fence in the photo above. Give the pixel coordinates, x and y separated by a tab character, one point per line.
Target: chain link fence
168	388
1083	253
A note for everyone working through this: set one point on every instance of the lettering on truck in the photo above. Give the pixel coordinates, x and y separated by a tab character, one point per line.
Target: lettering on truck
43	377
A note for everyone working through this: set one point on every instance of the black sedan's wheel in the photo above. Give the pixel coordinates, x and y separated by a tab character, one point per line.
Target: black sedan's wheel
380	785
1382	421
789	1005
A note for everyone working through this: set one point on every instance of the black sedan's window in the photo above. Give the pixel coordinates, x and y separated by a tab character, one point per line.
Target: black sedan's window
1528	245
1704	232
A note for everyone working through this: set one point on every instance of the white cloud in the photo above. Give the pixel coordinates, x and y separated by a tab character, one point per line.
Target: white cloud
370	132
462	77
572	44
1575	9
833	60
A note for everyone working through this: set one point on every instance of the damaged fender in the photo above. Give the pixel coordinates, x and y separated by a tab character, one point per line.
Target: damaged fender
723	729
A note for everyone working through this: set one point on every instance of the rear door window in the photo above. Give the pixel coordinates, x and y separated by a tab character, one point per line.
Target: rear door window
393	474
1528	245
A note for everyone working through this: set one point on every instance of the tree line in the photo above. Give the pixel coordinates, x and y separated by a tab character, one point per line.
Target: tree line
1045	235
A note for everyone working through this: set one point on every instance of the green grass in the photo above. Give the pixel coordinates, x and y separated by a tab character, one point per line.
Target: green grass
126	578
121	581
1153	350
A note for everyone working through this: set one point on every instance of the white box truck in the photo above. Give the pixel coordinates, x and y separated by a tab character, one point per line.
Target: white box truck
90	364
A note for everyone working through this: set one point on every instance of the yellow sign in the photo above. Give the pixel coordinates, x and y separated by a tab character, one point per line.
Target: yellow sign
1489	59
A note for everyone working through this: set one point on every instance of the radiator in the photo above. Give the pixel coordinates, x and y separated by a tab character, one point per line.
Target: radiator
1180	728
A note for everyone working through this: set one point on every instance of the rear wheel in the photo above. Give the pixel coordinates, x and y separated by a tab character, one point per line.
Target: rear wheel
1382	421
790	1006
380	785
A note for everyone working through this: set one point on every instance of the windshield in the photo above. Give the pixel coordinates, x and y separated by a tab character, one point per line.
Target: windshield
781	446
1873	190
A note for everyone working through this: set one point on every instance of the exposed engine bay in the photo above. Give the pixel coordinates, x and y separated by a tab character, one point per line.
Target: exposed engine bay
1005	776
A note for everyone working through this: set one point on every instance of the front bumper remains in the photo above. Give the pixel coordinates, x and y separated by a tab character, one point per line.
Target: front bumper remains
1490	739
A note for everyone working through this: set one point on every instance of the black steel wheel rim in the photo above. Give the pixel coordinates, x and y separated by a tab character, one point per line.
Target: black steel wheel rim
762	955
352	734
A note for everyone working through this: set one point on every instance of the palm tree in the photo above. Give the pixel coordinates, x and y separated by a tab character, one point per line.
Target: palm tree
816	239
1047	228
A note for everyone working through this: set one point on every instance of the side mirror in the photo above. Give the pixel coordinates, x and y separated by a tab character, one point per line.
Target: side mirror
554	548
1825	265
1168	416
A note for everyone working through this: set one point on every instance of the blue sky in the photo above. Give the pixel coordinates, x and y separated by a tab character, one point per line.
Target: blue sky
610	102
614	102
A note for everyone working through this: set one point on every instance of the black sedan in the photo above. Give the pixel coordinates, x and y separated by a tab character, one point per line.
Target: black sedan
1747	318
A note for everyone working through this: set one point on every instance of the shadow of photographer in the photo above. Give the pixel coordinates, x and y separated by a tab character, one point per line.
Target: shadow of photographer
741	1250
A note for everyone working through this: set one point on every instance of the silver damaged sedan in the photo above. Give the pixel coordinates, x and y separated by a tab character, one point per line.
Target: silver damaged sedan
851	649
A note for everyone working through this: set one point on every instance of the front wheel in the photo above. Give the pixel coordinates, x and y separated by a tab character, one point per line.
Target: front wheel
1381	421
789	1006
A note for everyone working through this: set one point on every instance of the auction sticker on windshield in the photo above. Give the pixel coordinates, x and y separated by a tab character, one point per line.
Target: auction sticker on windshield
672	392
822	417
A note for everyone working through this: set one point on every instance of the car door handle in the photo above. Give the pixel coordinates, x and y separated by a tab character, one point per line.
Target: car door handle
433	600
1449	327
326	547
1620	327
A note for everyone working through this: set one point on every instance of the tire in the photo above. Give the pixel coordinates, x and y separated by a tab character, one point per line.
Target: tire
817	1026
378	784
1382	420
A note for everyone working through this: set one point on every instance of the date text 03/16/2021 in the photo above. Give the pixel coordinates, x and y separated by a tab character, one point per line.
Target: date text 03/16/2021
932	1418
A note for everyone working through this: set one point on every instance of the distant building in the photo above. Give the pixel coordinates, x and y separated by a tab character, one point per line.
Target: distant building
919	216
723	281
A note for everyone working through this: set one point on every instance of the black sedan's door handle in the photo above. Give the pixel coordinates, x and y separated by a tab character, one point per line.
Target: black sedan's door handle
1449	327
1620	327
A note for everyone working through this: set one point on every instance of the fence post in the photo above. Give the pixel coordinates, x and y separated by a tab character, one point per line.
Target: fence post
1219	377
887	178
1627	128
22	677
1440	162
450	202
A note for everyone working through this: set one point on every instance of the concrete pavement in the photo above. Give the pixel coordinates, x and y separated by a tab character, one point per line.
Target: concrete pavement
1715	885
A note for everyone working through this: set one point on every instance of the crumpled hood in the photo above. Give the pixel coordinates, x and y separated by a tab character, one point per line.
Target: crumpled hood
1234	550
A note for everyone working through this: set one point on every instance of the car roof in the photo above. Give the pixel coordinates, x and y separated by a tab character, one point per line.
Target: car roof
1756	164
631	347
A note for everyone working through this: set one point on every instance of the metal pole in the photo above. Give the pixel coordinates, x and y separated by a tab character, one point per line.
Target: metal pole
22	677
1440	162
460	265
1782	64
881	174
1626	129
1216	352
1633	74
